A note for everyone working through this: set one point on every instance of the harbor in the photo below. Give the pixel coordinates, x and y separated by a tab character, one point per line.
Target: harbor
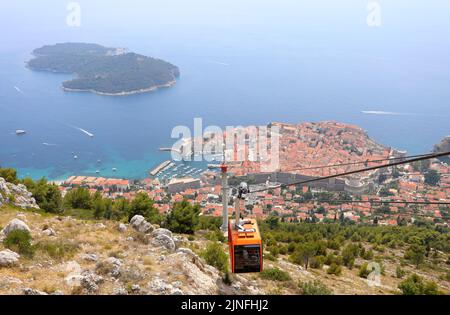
159	168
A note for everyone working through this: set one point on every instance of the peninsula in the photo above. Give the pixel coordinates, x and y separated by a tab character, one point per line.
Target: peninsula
103	70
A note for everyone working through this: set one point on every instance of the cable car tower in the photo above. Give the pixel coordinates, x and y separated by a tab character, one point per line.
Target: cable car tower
244	239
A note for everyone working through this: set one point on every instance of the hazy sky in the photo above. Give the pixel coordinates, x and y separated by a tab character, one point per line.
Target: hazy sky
37	20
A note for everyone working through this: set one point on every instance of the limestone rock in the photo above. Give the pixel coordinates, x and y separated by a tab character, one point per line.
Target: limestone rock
49	232
90	281
30	291
111	266
22	197
8	258
122	228
139	223
161	231
89	257
165	241
15	224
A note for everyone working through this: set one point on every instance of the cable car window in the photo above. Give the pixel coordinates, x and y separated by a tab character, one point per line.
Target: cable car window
247	258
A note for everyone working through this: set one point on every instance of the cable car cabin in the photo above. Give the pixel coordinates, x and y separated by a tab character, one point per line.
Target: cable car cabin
245	247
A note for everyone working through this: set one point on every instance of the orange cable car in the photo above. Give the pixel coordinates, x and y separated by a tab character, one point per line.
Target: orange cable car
245	246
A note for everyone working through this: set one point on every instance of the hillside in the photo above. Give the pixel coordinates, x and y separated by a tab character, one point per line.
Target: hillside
103	257
83	244
443	146
109	71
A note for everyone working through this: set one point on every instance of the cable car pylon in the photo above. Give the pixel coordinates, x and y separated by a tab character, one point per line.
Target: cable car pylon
244	239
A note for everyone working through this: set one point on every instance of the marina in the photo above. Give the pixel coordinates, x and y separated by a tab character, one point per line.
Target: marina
159	168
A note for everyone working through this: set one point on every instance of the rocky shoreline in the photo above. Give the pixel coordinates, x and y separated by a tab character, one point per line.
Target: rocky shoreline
146	90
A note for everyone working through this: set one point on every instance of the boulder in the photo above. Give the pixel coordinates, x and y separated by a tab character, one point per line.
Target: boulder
120	291
165	241
90	281
74	273
111	266
15	224
49	232
89	257
122	228
139	223
100	226
202	278
30	291
160	231
22	197
8	258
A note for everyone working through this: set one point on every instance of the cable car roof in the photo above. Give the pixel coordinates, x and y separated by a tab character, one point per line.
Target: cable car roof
248	236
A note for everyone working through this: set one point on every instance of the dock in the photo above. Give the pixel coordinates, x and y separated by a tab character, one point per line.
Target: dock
158	169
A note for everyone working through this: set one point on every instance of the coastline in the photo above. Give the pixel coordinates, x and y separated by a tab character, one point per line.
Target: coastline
145	90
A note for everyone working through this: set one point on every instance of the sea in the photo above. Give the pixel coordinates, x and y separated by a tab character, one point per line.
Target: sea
241	62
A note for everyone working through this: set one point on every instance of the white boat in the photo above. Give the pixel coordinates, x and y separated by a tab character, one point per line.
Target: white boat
75	157
20	132
114	169
97	171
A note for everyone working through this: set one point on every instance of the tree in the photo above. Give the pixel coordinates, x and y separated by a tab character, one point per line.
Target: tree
47	196
432	177
273	222
143	205
303	253
120	209
349	253
78	198
415	254
184	217
98	205
9	174
415	285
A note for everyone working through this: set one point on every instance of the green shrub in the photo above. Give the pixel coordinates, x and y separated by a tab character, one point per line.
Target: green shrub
9	174
399	272
314	288
317	262
47	196
415	285
334	269
367	255
364	271
57	249
415	254
215	256
275	274
78	198
183	218
19	241
269	256
142	204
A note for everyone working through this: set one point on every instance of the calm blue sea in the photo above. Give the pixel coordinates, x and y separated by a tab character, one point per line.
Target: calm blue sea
241	62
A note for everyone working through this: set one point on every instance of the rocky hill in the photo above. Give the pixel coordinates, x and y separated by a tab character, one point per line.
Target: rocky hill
104	257
16	195
43	253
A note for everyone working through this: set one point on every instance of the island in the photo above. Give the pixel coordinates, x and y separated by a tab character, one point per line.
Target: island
103	70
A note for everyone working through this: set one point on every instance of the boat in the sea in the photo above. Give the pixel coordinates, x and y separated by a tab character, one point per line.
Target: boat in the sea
114	169
75	157
20	132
